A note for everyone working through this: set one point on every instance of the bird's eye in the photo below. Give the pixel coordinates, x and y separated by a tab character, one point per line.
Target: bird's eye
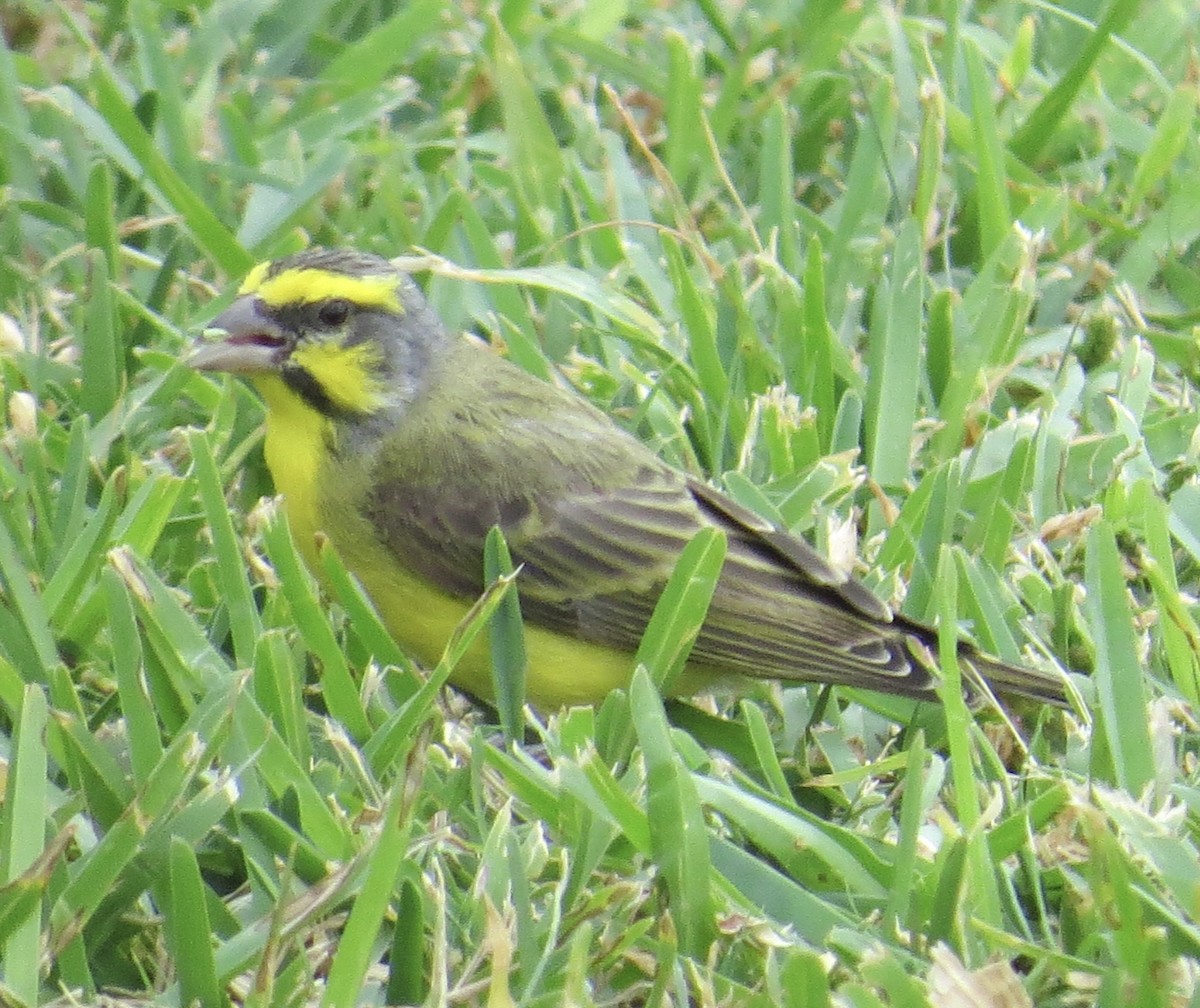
334	312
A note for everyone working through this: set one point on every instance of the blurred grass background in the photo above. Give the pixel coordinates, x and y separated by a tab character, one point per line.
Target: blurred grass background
918	282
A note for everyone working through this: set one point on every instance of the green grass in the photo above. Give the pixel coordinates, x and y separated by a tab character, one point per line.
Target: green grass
919	284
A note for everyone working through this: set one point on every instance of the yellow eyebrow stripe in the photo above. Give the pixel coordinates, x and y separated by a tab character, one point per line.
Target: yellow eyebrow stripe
308	286
254	278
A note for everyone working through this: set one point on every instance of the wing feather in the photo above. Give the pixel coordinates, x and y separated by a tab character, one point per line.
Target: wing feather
597	523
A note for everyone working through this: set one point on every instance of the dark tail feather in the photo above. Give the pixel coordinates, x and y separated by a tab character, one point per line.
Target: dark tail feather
1014	680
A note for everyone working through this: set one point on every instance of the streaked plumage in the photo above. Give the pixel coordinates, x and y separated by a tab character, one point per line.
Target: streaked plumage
424	441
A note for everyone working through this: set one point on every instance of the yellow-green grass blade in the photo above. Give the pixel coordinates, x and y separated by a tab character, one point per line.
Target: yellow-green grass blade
23	833
341	692
681	608
1122	751
506	638
678	839
1039	126
382	858
188	930
235	590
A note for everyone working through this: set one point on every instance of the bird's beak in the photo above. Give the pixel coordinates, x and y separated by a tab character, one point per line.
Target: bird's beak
242	340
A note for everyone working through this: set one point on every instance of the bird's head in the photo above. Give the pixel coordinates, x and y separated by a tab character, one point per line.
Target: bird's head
340	332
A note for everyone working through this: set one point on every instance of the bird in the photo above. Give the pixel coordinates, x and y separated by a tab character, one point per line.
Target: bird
404	444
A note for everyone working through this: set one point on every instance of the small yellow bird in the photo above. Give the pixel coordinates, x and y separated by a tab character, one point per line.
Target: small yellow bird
405	445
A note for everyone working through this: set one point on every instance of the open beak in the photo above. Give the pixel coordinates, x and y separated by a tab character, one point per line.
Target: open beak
242	340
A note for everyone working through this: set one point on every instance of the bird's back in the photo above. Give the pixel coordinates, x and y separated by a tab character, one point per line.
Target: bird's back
597	522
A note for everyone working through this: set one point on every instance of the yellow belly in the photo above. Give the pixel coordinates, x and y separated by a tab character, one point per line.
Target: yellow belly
562	670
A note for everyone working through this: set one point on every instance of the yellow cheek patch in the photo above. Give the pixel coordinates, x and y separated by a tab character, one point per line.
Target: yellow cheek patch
347	375
308	286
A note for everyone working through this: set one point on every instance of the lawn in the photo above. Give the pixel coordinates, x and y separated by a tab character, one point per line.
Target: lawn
916	282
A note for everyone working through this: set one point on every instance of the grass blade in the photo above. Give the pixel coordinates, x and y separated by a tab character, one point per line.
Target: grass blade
1126	754
23	820
507	634
678	838
681	608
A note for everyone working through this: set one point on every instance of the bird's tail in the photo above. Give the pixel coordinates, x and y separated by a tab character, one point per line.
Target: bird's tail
1007	679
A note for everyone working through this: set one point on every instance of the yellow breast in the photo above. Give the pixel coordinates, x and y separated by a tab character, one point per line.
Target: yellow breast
298	448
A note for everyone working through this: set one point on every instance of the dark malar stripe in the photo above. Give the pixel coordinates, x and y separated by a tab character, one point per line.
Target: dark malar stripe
309	389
